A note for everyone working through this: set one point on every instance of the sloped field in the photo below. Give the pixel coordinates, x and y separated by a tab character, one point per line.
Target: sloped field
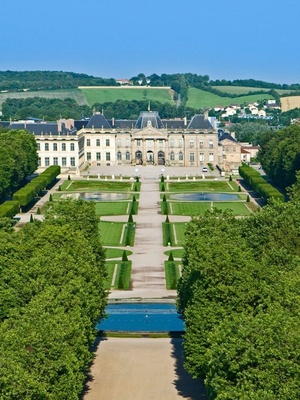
288	103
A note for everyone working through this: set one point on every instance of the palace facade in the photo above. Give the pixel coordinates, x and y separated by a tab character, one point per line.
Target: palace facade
149	140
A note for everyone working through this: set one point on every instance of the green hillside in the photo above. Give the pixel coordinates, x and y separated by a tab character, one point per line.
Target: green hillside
103	95
247	89
198	98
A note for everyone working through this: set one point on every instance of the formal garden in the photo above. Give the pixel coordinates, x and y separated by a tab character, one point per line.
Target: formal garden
110	198
191	197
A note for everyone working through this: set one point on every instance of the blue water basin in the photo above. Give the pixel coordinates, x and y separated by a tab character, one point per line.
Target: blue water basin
97	196
156	317
204	197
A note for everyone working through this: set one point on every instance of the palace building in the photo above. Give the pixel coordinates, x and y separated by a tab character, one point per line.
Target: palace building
149	140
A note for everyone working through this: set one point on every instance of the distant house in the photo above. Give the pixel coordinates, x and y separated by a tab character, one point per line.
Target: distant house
124	82
229	111
219	108
249	152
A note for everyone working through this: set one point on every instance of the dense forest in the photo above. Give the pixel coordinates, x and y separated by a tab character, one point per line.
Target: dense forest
240	299
52	294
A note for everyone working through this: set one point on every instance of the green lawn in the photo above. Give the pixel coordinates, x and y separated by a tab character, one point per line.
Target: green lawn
111	233
112	208
103	95
202	186
115	253
199	208
188	208
177	253
120	271
104	186
178	230
173	233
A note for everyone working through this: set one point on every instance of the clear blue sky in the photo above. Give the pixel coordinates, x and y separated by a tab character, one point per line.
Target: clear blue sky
224	39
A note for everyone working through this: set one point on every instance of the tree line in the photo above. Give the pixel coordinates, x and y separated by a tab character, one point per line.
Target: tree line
18	159
280	155
125	109
52	295
239	296
43	108
48	80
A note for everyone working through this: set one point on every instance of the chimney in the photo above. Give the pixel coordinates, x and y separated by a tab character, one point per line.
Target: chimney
185	121
232	134
206	114
113	121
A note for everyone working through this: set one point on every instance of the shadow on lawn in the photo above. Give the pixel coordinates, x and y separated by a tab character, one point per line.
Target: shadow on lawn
186	386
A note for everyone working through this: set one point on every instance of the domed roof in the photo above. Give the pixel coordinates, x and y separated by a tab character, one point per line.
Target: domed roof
149	118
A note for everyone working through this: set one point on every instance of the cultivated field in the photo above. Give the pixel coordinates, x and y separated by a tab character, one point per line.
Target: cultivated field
288	103
74	94
112	94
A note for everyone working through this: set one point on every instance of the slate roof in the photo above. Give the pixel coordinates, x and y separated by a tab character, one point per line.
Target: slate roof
123	123
147	117
227	136
174	124
37	129
80	123
199	121
98	121
47	128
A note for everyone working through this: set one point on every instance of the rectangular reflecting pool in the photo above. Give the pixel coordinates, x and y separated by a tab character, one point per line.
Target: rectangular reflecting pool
146	317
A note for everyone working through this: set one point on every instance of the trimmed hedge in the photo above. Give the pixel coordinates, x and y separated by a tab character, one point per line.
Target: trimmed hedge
164	208
26	194
9	209
258	184
167	236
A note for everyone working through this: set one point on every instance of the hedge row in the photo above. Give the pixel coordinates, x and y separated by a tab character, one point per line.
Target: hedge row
26	194
167	235
258	183
9	209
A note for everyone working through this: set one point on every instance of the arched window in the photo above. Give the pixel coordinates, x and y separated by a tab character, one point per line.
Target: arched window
180	156
172	156
138	155
127	156
119	156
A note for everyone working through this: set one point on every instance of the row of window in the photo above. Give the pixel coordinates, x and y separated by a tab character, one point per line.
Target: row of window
127	144
55	146
120	156
211	157
107	142
54	161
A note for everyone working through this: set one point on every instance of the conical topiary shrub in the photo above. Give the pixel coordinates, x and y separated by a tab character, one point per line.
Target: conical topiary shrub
171	258
124	256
